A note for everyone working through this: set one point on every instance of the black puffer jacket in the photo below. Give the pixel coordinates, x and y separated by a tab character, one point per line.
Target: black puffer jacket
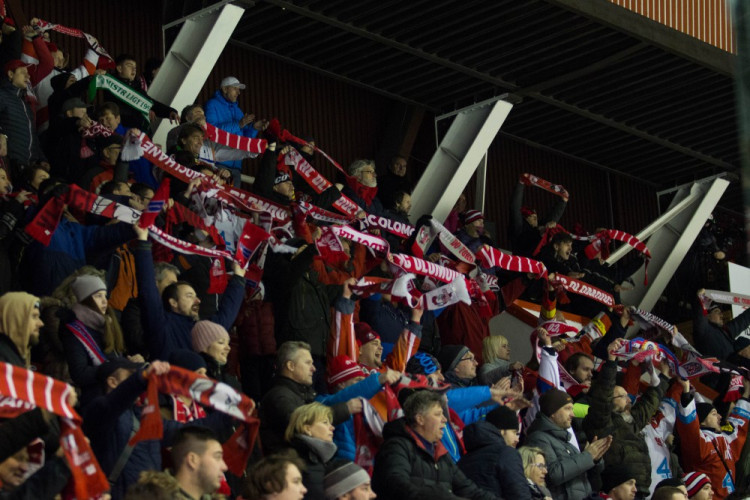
17	122
492	464
405	470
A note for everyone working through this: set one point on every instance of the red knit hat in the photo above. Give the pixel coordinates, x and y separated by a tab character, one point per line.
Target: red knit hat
343	368
364	333
14	64
472	215
694	481
526	211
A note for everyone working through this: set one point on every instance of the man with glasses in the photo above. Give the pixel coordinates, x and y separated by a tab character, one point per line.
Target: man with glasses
612	412
362	186
459	365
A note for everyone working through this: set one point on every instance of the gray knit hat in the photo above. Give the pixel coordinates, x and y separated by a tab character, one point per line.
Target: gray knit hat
205	333
344	479
87	285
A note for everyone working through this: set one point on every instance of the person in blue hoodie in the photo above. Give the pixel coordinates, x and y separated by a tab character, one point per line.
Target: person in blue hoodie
223	111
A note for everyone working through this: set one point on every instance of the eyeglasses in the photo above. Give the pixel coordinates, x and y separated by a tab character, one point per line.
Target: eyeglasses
470	357
540	466
367	172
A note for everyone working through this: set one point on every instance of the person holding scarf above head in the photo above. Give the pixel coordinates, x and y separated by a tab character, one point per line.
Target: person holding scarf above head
90	334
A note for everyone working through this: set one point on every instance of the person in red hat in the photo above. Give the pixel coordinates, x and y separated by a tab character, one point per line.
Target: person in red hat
524	231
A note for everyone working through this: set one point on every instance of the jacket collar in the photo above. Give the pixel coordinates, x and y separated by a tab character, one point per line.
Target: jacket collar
439	448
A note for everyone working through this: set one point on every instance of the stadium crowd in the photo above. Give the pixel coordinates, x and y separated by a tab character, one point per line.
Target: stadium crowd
167	331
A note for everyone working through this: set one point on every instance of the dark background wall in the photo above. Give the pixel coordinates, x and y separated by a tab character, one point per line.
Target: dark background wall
349	122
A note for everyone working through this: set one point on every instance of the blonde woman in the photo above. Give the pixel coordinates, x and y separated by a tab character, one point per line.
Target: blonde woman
496	356
535	469
310	432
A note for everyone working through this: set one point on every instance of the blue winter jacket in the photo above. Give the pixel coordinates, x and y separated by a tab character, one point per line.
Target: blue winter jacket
227	115
343	435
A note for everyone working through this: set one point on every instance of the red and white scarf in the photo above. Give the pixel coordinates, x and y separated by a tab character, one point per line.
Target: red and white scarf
234	141
556	189
22	390
75	32
601	244
721	297
427	234
583	289
318	182
489	257
330	248
400	229
208	393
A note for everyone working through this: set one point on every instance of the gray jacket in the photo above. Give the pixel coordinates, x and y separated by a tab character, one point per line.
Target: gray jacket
566	466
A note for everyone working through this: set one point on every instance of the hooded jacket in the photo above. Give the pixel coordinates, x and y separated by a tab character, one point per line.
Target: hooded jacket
567	466
15	313
226	115
406	470
492	464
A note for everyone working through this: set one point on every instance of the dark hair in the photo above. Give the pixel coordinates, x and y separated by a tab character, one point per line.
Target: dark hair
109	187
29	173
420	402
125	57
191	439
268	476
188	129
667	493
171	293
140	188
399	197
152	63
561	237
108	106
571	364
187	110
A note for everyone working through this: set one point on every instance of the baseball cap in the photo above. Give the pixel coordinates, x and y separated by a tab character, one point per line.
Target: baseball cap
232	81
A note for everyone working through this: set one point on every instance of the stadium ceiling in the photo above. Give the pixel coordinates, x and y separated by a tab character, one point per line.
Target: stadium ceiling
592	81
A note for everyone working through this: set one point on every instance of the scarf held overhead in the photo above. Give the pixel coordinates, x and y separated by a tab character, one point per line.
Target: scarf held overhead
22	390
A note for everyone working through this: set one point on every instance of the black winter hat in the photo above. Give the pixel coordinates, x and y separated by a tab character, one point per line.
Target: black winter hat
614	476
553	400
450	356
703	410
503	418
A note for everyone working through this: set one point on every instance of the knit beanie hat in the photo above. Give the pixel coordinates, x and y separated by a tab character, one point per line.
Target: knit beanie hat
503	418
703	409
450	356
526	212
343	368
614	476
553	400
364	333
87	285
694	481
187	359
343	479
472	215
422	363
205	333
281	177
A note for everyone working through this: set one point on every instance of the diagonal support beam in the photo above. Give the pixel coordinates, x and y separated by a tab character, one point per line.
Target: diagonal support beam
191	58
457	157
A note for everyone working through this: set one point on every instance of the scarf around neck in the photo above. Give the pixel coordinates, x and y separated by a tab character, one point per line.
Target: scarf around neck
89	317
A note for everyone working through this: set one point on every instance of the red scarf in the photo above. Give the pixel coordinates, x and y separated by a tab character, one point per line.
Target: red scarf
602	240
556	189
234	141
23	390
367	193
208	393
